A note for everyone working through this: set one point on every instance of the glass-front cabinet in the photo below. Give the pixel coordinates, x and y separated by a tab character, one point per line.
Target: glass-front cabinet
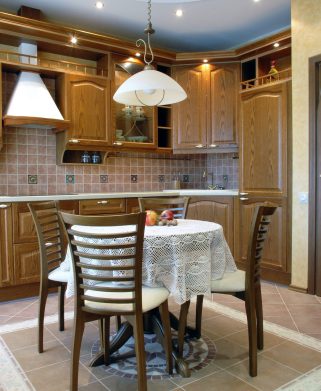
134	126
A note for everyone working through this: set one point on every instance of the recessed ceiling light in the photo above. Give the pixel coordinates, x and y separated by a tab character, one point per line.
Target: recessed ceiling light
205	60
73	40
137	54
276	45
99	5
179	13
256	1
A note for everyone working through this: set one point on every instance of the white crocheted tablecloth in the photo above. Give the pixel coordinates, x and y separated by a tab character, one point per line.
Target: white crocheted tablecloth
183	258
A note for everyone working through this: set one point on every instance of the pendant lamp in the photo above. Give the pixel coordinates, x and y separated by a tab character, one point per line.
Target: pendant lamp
149	87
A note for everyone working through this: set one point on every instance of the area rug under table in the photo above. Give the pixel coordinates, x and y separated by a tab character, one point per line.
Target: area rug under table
199	354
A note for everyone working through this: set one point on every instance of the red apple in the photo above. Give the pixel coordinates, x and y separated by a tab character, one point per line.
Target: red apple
167	215
151	217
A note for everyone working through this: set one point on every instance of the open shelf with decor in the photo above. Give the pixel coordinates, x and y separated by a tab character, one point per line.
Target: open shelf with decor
273	66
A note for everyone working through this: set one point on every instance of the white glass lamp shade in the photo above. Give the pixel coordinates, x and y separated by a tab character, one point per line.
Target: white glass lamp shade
149	88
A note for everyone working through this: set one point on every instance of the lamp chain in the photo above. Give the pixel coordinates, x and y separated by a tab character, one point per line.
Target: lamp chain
148	30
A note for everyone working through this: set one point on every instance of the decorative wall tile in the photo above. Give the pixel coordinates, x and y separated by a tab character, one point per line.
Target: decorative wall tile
32	179
70	178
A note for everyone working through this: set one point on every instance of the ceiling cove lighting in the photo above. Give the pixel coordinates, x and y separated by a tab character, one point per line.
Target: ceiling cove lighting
99	5
149	87
73	40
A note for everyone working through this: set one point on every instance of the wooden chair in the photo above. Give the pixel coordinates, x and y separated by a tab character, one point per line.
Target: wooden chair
178	205
107	270
246	285
51	234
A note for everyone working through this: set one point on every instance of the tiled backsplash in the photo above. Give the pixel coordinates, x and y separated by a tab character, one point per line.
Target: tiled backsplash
28	166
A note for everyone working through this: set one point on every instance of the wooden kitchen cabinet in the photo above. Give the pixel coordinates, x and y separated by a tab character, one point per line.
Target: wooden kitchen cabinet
218	209
208	119
102	206
275	263
265	155
264	140
85	101
6	253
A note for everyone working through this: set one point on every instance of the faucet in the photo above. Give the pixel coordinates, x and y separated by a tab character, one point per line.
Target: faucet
205	175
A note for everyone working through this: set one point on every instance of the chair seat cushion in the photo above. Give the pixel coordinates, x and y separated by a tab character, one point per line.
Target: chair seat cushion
230	282
151	298
59	275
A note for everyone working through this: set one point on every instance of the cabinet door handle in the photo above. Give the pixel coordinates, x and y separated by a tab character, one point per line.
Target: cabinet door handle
199	146
212	145
4	206
243	194
243	198
103	202
117	143
74	141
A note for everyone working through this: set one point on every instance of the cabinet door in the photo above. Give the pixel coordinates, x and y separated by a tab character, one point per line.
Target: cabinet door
216	209
24	230
88	108
274	262
263	151
26	263
189	116
224	104
132	205
6	255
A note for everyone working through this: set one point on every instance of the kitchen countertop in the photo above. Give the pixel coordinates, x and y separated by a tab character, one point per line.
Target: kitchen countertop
91	196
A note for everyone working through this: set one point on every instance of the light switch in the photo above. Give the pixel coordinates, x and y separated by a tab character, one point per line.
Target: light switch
303	197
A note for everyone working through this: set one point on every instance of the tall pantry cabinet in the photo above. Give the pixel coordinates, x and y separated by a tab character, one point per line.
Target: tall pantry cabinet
264	174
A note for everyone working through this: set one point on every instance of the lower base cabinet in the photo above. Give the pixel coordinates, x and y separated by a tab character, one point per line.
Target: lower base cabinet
275	263
218	209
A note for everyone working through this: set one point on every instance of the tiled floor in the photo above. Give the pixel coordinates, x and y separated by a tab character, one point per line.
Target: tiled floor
281	361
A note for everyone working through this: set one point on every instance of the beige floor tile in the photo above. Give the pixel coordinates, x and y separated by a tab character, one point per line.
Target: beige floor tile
307	325
275	310
285	320
24	338
298	357
241	338
117	383
56	377
93	387
221	381
271	374
16	306
272	298
90	337
229	353
305	310
291	297
222	325
30	359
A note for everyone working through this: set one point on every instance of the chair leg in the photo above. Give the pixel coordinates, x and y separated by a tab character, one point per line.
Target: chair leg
259	317
252	334
79	325
61	306
198	318
167	336
140	352
106	333
182	326
118	322
41	314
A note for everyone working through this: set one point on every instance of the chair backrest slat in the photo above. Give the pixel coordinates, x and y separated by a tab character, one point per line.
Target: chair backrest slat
50	232
107	258
258	234
178	205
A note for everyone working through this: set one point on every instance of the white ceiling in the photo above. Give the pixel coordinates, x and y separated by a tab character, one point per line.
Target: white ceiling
205	25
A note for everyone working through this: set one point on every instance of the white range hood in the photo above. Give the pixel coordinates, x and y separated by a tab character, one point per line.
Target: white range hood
31	103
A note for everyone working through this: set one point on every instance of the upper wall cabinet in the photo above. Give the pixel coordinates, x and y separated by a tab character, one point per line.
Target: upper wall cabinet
208	119
133	127
85	101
